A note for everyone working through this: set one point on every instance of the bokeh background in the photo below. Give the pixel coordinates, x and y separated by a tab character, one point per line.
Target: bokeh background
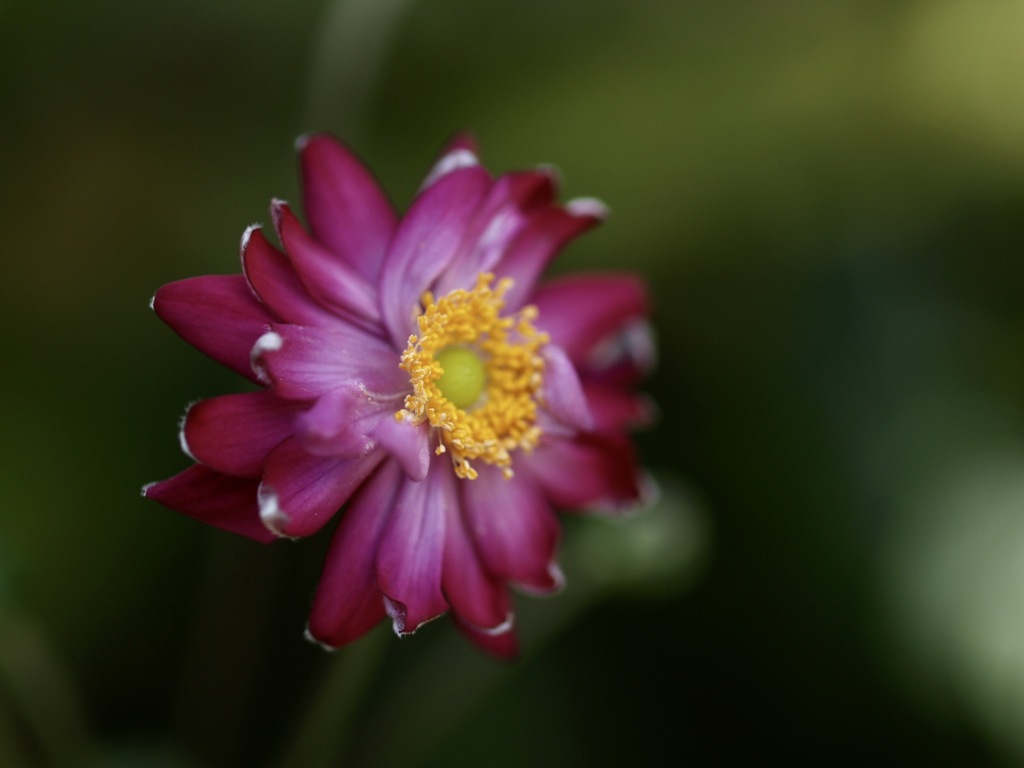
828	200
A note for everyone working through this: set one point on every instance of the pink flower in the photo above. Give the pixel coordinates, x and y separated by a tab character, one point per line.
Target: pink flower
416	373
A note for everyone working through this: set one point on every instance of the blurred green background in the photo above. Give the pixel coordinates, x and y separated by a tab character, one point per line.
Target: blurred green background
828	200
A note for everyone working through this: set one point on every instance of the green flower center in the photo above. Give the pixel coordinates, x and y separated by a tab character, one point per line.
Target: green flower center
464	376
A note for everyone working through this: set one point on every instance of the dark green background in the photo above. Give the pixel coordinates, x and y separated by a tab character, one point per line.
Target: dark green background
828	201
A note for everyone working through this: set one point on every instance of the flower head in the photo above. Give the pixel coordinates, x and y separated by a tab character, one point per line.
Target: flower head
417	376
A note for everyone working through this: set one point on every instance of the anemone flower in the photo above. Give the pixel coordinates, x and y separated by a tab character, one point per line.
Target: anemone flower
417	375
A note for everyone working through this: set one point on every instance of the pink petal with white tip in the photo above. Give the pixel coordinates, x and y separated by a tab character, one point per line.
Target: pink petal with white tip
476	597
217	314
272	278
411	552
328	279
301	492
213	498
234	433
348	602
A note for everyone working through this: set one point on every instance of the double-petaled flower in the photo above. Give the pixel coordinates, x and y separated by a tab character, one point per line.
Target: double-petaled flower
417	376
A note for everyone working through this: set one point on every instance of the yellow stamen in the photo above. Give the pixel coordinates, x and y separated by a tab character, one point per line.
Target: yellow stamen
476	417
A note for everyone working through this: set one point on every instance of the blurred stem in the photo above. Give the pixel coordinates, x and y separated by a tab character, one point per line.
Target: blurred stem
43	696
325	732
347	59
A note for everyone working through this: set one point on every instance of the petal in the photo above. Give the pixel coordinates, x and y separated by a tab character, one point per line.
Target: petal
408	443
514	528
348	603
477	598
596	471
271	277
211	497
234	433
544	233
217	314
411	552
496	223
615	409
346	209
581	311
503	645
426	241
341	422
301	492
326	278
304	362
561	390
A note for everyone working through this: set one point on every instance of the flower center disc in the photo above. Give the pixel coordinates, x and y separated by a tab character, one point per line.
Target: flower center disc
463	378
476	376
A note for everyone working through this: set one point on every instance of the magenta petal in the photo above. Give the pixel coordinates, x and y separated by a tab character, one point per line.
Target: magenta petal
347	210
211	497
217	314
476	597
411	552
615	409
348	603
303	362
341	422
503	645
425	242
544	233
514	527
272	278
501	215
408	443
234	433
326	277
579	312
597	471
301	492
562	392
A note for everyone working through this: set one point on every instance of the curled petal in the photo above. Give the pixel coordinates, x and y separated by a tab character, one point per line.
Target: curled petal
501	215
326	278
271	277
341	422
424	244
346	208
562	392
217	314
408	443
303	362
410	556
301	492
348	603
514	529
234	433
211	497
580	312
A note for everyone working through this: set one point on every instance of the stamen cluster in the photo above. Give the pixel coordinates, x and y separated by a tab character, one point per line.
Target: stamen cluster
504	416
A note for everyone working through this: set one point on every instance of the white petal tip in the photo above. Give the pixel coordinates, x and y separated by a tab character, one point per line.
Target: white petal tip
145	489
268	342
553	172
244	243
310	637
272	516
182	439
453	161
588	206
301	142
